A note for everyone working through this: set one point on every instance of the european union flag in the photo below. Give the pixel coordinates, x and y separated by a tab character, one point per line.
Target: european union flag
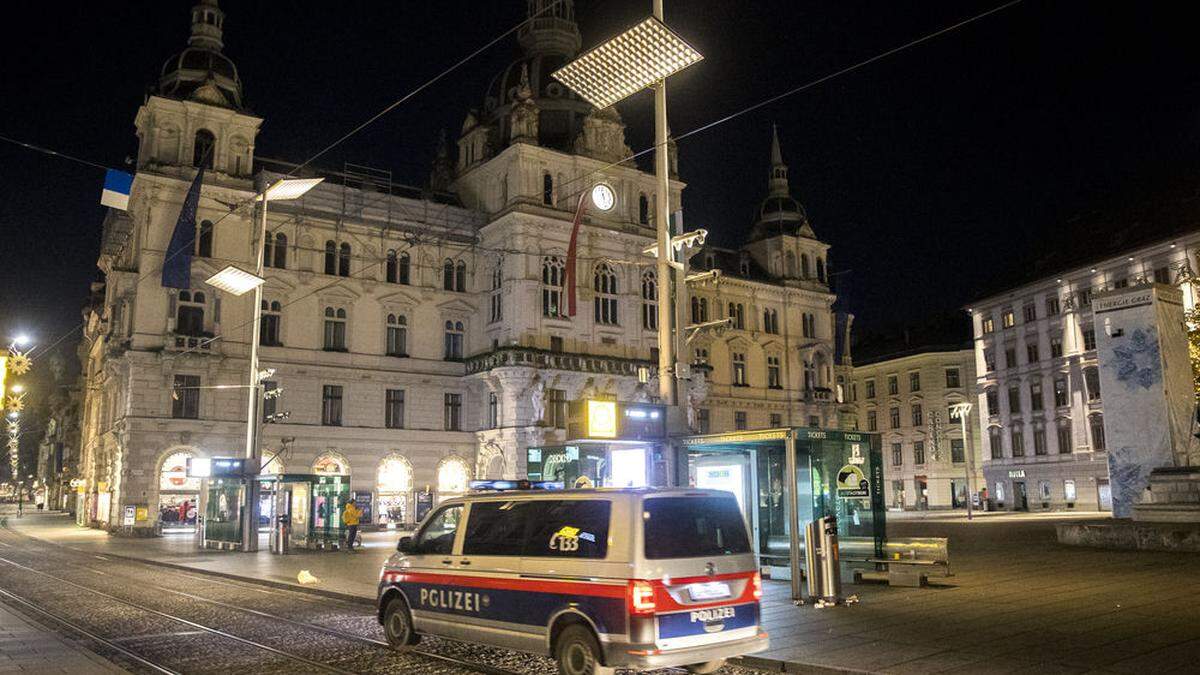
177	266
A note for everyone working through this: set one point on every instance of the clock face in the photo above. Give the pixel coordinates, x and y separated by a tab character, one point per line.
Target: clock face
603	197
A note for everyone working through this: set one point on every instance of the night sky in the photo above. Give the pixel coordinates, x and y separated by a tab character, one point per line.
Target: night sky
934	174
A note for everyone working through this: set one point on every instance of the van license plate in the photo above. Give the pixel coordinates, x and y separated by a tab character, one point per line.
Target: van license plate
711	590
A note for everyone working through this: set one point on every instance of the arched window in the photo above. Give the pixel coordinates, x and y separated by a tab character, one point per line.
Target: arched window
737	314
344	260
279	250
553	277
203	149
605	302
790	264
393	484
771	321
821	270
810	375
454	341
496	297
335	329
643	209
460	277
695	309
452	478
204	239
177	494
804	270
330	257
272	315
397	335
392	272
330	464
649	301
1096	422
547	189
404	271
448	275
189	314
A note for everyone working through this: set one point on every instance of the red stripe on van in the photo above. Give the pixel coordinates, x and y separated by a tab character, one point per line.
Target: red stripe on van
512	584
663	602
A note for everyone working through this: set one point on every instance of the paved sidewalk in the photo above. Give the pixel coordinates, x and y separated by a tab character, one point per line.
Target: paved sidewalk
1018	601
26	647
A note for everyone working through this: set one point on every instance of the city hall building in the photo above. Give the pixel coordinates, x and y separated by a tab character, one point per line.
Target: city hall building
419	338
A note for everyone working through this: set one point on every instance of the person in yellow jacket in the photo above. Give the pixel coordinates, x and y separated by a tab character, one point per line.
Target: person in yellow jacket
350	517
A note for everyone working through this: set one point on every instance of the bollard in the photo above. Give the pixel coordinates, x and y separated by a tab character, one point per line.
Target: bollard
831	569
812	559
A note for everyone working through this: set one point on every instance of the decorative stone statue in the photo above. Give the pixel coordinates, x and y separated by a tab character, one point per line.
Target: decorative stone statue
523	120
537	398
697	393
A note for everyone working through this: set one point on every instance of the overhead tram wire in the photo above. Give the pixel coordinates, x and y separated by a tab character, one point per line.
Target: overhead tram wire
808	85
237	206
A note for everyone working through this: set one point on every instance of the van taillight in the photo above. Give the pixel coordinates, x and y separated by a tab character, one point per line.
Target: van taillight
641	598
756	584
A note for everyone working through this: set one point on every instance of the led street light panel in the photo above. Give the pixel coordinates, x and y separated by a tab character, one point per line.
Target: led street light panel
235	280
289	188
647	53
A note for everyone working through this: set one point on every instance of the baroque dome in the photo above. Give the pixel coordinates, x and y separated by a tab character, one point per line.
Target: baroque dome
201	71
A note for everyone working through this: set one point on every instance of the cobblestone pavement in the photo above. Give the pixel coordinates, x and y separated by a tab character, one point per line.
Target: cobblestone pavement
28	647
139	614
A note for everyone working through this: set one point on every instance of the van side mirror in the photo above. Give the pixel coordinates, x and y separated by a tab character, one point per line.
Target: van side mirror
405	545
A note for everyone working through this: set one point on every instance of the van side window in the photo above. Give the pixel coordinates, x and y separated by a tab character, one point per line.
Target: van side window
496	528
437	537
568	528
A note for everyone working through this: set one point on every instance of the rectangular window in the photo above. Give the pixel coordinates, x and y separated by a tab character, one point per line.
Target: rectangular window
989	360
1061	395
1031	352
919	453
1096	422
739	420
956	451
994	442
393	409
1036	402
993	402
1121	283
1089	339
568	528
703	423
1085	298
952	379
1069	490
893	385
872	422
853	391
1162	275
1018	443
914	382
776	420
331	405
335	330
894	418
1052	306
1029	312
493	411
989	325
268	335
270	400
739	370
556	344
556	408
918	415
498	528
897	454
452	412
185	397
1007	319
1055	347
1044	490
693	527
1091	378
1010	357
773	380
870	388
1039	441
1014	399
1064	438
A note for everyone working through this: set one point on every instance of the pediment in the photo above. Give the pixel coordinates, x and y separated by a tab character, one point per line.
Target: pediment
457	306
400	298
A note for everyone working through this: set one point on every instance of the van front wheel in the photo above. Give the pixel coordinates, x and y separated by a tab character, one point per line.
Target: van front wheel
577	652
397	625
706	668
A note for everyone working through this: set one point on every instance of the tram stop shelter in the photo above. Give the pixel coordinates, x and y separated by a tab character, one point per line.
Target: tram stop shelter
784	478
310	505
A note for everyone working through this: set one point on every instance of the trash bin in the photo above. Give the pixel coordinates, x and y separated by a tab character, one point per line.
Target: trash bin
279	538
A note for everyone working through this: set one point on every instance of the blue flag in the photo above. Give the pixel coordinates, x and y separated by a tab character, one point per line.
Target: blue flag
117	185
177	266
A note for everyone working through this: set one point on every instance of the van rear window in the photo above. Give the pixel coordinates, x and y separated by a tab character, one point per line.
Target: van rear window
693	527
568	528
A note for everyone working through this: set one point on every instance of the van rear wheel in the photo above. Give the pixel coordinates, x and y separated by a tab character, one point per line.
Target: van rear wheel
577	652
707	667
397	625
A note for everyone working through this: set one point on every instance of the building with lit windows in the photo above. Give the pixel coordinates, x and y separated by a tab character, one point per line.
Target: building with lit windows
906	398
1038	385
419	337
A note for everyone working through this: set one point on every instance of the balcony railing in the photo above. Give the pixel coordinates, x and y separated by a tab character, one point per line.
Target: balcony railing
200	342
539	358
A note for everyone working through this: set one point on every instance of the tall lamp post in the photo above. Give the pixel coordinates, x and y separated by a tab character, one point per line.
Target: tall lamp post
643	56
962	411
237	281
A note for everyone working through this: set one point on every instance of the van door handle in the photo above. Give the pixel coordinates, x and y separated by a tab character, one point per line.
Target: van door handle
447	562
464	562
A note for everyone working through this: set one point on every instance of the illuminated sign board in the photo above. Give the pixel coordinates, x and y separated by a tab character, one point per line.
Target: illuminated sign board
216	467
602	419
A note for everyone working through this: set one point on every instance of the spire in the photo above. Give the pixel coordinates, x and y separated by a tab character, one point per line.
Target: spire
208	22
551	28
779	171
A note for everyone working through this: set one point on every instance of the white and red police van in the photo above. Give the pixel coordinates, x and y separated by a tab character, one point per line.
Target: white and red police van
597	579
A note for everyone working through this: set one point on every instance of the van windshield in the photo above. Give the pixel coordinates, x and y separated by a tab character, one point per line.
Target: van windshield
693	527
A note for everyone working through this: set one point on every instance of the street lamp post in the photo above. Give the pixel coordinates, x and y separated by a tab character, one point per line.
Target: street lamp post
238	282
962	410
643	56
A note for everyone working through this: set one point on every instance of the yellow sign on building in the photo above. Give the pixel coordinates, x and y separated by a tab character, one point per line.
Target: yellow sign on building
602	419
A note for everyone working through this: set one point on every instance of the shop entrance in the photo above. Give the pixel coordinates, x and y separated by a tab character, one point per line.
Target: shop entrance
1020	498
178	495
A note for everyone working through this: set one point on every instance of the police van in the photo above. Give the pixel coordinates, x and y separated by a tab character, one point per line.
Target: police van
633	578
